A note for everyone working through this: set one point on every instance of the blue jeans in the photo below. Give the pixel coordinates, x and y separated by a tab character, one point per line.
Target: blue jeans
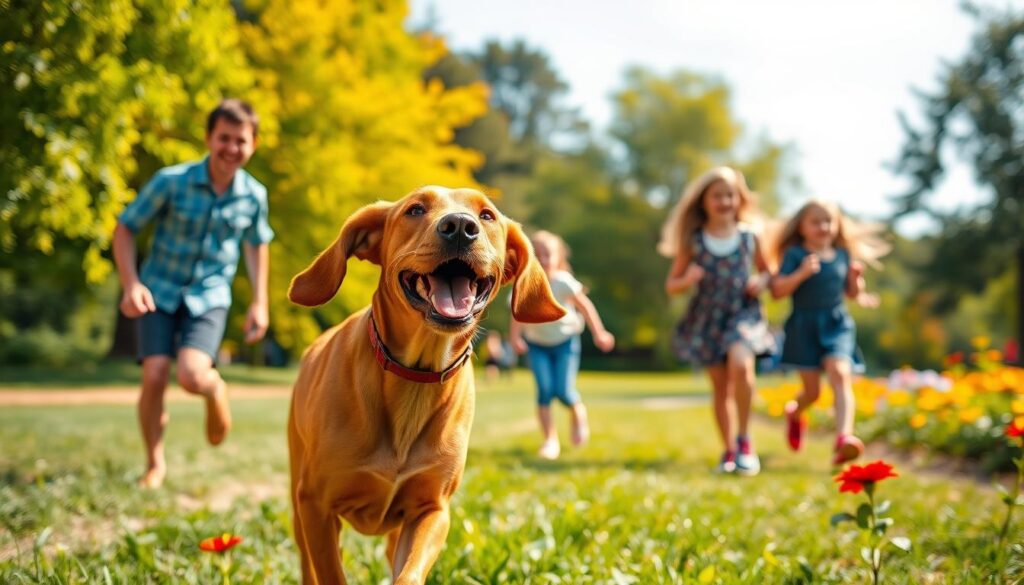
555	368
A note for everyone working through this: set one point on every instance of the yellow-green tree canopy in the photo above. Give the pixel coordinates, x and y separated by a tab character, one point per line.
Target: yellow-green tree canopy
98	95
92	91
358	124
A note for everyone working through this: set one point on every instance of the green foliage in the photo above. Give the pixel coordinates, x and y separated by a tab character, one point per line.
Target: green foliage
96	96
675	127
99	95
611	236
361	126
90	88
976	110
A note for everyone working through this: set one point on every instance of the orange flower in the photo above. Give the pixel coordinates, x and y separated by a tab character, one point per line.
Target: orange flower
918	420
219	544
857	477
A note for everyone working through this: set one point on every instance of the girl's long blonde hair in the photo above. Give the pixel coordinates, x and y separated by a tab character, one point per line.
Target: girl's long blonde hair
688	215
863	240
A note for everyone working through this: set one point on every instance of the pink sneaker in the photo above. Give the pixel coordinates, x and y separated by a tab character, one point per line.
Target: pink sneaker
848	448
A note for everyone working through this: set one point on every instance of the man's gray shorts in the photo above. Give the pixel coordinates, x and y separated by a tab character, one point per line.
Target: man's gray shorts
163	333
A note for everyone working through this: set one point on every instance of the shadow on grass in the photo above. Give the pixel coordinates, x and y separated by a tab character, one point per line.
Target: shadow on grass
667	397
520	457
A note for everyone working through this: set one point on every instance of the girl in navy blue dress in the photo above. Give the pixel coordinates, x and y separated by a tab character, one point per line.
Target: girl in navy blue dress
715	252
822	264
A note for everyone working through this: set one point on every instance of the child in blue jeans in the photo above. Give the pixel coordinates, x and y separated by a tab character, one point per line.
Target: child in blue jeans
554	348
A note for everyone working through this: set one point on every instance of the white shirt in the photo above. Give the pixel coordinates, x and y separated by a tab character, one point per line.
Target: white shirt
564	287
721	246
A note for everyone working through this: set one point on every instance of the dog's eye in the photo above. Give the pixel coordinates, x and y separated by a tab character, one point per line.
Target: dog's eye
487	215
416	210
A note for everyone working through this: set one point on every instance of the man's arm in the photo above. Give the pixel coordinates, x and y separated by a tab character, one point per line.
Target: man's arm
136	299
257	263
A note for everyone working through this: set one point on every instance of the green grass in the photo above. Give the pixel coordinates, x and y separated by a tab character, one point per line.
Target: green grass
637	505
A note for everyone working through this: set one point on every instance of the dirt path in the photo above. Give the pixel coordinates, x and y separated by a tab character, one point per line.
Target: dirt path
123	395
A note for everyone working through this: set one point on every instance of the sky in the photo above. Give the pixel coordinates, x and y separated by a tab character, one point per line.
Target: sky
826	77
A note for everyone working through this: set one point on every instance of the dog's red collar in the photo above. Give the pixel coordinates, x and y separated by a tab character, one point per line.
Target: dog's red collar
390	364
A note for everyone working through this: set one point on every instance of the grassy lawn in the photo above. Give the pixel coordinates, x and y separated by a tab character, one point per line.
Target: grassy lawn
637	505
125	373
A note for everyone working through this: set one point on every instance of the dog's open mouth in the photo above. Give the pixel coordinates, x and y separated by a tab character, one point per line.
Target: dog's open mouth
451	295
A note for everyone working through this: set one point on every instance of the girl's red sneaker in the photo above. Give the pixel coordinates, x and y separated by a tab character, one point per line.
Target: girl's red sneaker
796	426
848	448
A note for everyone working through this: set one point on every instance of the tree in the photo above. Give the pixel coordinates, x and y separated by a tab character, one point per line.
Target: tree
488	134
612	236
979	110
526	87
361	125
675	127
96	95
525	120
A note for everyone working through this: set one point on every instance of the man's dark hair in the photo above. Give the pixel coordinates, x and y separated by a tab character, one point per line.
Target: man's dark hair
235	111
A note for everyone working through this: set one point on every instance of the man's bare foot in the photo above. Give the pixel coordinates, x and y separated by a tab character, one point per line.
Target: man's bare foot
153	478
218	415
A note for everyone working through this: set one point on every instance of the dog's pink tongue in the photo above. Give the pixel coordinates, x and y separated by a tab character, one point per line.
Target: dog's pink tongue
452	299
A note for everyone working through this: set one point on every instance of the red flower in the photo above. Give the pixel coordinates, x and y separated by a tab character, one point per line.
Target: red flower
857	477
1014	429
219	544
957	357
1010	351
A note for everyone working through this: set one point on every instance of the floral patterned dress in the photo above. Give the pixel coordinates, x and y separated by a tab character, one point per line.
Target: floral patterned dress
721	314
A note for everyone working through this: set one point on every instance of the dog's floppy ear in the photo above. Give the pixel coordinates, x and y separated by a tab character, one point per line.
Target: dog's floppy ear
532	301
360	237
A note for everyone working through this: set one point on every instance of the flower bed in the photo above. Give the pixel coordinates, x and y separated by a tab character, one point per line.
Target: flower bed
963	411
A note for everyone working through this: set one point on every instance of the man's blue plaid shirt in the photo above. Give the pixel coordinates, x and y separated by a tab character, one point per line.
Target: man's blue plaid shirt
195	248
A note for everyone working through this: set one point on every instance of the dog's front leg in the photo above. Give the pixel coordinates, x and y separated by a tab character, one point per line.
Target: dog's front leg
318	543
419	543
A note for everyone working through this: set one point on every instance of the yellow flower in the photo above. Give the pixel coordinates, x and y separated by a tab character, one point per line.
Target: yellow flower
826	399
918	420
980	341
930	399
971	414
866	407
1017	407
898	398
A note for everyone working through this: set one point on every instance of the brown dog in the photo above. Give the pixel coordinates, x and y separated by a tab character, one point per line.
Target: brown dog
382	408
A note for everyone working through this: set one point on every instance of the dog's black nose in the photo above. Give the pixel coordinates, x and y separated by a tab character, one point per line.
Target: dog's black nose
458	228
